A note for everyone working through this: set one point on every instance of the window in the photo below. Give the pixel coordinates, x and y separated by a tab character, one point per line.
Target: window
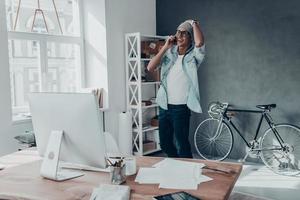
25	75
45	48
63	65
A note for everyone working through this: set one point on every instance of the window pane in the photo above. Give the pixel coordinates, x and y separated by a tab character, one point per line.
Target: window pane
24	71
46	18
63	67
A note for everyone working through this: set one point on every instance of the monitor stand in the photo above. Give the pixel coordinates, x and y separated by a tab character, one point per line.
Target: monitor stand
49	168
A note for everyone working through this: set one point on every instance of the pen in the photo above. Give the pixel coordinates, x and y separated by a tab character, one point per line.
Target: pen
109	162
116	163
117	157
227	171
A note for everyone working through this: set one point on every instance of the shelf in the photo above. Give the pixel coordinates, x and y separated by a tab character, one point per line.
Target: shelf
144	83
150	82
133	59
148	152
153	37
145	59
150	106
136	59
137	86
133	82
151	128
144	107
152	151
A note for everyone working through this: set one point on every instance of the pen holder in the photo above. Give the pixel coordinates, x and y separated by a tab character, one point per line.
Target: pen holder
117	174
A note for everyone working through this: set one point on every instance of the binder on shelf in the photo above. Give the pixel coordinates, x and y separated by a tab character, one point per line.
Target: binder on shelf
98	92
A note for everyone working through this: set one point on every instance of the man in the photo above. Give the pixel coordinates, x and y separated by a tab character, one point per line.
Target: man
179	60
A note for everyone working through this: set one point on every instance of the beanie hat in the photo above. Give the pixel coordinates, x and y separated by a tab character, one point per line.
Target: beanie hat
186	26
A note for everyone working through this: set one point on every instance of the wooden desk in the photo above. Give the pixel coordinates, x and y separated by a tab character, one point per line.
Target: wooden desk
21	181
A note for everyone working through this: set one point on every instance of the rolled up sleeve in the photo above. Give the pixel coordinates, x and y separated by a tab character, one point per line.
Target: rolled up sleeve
199	53
165	59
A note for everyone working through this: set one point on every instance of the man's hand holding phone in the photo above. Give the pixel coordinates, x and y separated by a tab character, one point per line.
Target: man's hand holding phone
170	41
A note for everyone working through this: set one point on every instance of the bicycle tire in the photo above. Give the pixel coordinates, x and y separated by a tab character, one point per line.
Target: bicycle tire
281	161
211	148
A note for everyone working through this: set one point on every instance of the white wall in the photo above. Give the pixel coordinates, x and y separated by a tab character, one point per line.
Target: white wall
105	24
94	31
123	17
7	129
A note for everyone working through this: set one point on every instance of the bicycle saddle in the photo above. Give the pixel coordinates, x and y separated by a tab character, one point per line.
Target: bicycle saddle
266	107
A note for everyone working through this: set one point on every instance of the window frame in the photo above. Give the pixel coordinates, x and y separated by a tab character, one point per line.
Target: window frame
43	39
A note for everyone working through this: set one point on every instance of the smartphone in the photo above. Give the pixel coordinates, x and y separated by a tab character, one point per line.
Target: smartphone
175	41
176	196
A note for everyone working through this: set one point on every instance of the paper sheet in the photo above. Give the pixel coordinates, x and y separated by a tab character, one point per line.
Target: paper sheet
148	176
173	174
180	174
181	184
170	161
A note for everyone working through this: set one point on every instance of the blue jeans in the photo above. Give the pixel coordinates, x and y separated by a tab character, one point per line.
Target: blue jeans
175	122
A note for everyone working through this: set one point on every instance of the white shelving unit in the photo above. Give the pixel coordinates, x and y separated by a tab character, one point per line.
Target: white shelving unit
136	90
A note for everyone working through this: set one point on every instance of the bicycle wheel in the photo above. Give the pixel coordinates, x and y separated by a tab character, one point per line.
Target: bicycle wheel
286	160
210	144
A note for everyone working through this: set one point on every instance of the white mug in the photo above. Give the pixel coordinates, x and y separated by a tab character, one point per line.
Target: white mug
130	166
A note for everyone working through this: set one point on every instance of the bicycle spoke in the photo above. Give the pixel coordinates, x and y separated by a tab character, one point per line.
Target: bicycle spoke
221	149
204	143
211	144
204	136
283	161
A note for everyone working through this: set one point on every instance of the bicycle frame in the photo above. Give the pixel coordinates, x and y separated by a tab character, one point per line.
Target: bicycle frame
264	115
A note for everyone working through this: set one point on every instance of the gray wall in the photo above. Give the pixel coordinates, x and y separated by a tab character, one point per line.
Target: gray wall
253	54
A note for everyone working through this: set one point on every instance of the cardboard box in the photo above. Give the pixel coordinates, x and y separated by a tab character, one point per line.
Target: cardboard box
148	145
151	48
153	76
154	121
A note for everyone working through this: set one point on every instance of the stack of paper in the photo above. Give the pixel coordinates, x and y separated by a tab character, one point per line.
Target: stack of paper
111	192
173	174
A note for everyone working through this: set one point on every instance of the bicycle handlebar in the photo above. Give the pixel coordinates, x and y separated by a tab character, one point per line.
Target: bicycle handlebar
216	109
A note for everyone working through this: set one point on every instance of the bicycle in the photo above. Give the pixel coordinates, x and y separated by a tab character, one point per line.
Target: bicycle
278	147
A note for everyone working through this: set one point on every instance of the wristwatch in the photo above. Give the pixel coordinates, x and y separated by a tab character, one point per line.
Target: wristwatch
194	22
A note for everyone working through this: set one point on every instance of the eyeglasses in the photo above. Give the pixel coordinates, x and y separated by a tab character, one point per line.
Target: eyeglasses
181	33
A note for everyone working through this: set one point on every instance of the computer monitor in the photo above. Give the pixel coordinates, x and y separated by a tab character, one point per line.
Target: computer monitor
67	127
